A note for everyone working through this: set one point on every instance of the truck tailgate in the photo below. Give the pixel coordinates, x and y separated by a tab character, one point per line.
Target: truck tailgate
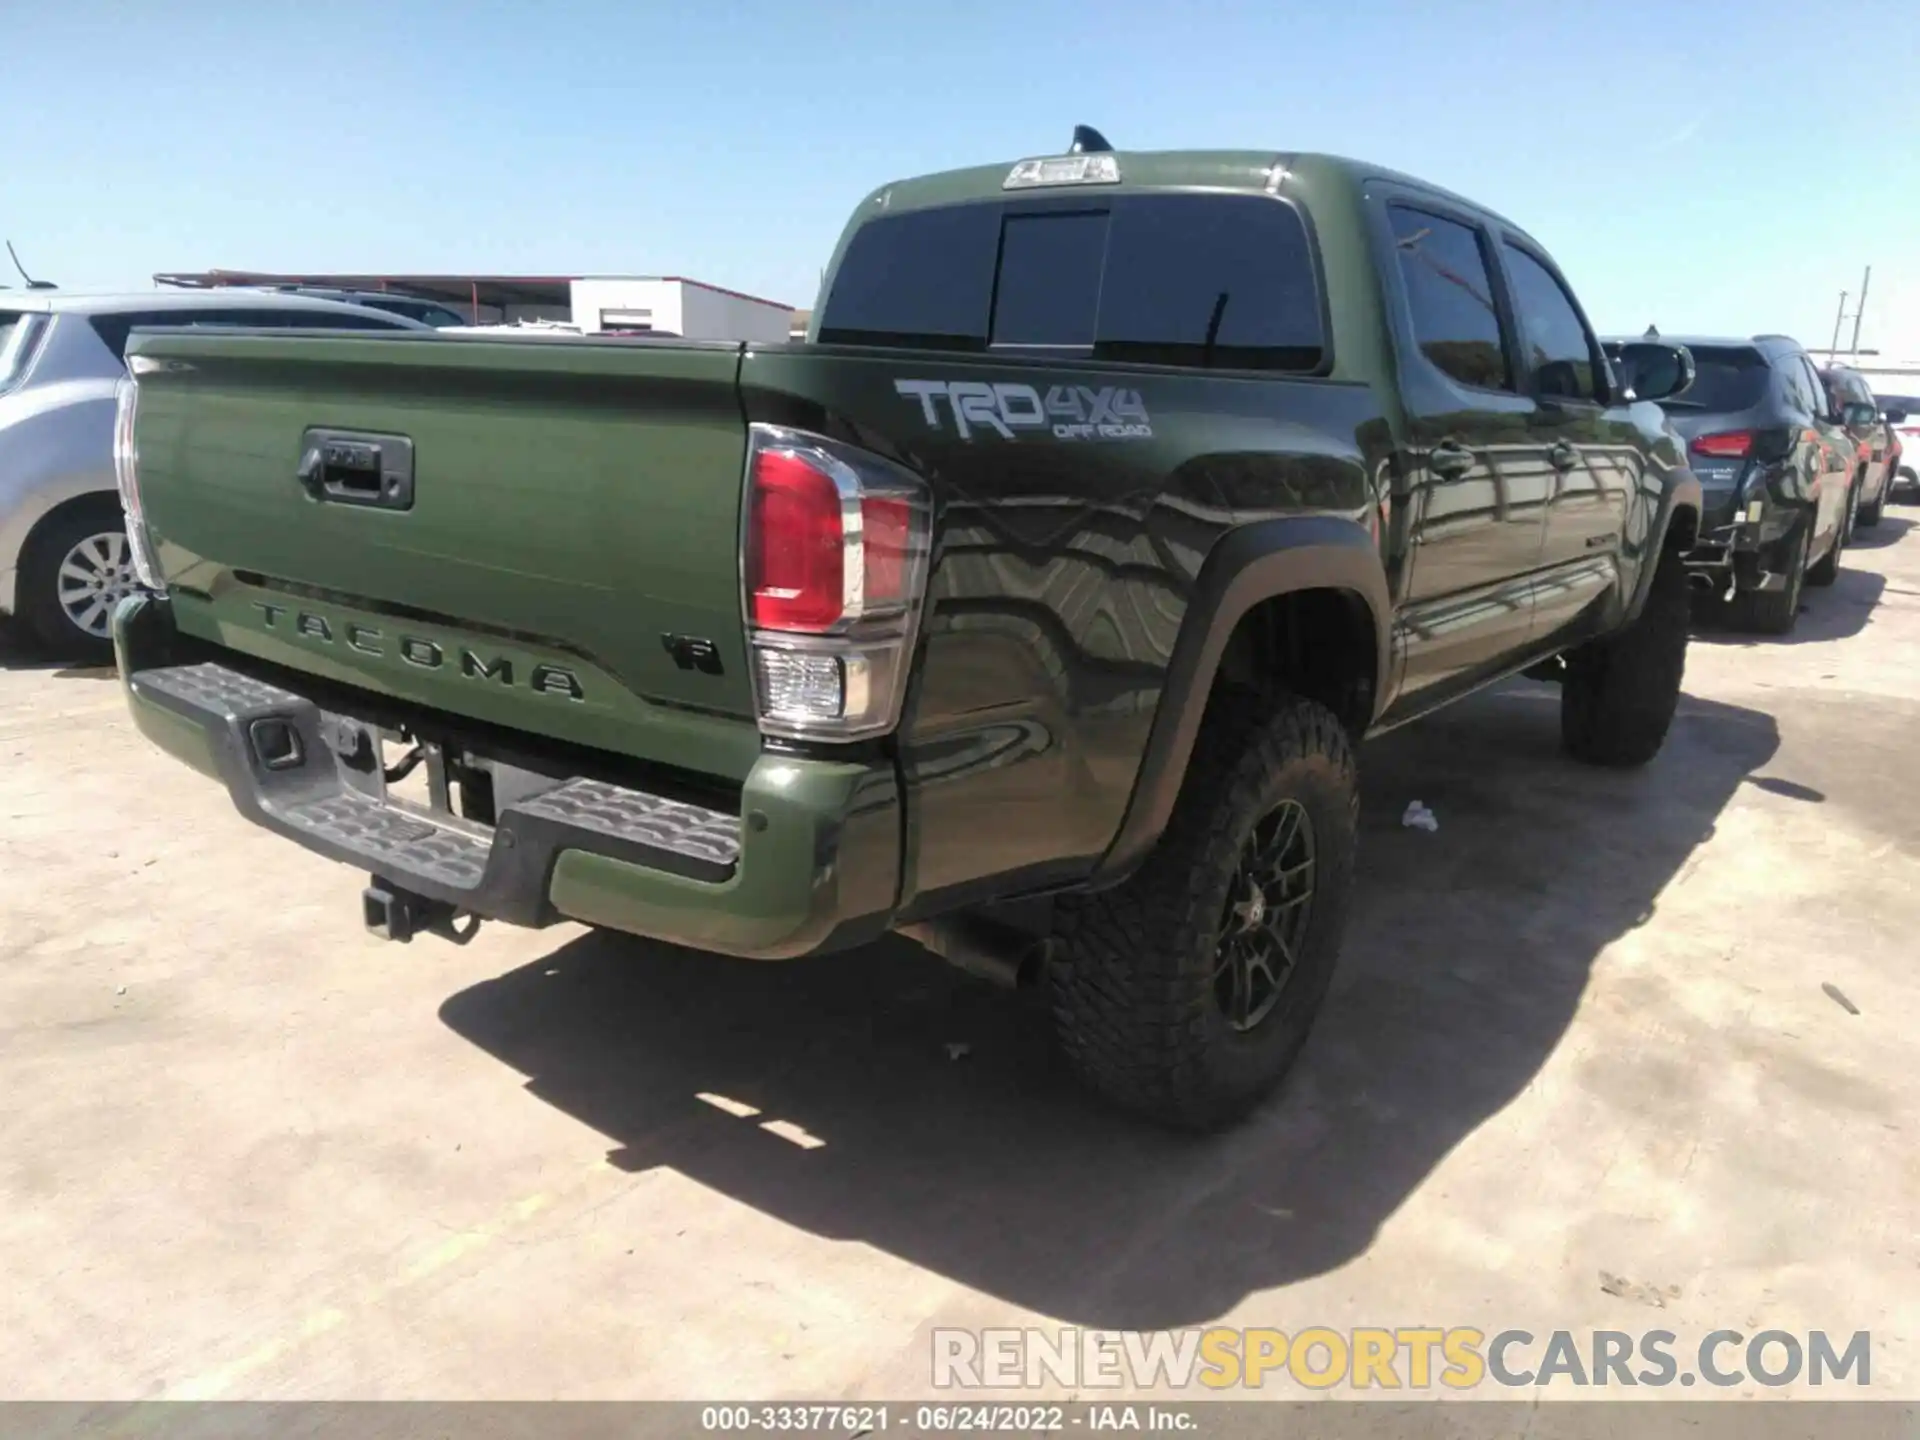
565	560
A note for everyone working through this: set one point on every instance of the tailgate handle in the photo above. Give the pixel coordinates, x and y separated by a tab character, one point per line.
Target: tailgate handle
346	468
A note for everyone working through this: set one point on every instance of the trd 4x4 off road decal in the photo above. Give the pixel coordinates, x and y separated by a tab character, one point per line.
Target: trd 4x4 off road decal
1069	412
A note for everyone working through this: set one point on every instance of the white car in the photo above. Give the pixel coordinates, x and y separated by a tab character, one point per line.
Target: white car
64	563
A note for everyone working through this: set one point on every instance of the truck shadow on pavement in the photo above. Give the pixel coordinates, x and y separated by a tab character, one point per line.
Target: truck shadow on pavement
1468	954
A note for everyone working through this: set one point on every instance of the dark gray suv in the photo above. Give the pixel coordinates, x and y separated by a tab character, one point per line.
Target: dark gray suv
1777	468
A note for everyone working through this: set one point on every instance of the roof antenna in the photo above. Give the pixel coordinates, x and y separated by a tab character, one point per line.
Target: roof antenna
32	284
1087	140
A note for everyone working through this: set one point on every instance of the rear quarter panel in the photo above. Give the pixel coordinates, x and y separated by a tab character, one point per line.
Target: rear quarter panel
56	445
1062	573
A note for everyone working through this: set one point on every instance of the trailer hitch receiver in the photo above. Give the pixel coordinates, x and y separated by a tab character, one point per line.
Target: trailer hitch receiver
395	913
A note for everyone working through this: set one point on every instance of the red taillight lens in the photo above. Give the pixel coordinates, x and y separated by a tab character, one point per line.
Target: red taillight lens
1728	445
834	566
796	546
884	539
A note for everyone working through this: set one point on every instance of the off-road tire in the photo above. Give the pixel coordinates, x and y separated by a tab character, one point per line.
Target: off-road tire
1133	978
37	599
1828	569
1620	693
1775	612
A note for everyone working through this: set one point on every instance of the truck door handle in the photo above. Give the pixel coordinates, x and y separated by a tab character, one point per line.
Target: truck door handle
1449	460
1563	456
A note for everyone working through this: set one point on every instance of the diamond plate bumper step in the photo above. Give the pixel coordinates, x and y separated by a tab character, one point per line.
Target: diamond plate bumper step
499	872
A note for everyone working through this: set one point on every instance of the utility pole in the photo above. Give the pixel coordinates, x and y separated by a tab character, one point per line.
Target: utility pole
1839	315
1860	309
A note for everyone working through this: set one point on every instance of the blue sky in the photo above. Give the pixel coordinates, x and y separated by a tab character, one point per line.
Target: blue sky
1702	164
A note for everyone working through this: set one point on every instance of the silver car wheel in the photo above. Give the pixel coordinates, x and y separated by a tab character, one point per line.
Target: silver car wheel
94	576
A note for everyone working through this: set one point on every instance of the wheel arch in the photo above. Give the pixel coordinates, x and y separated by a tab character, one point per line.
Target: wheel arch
1676	527
1264	590
42	510
29	569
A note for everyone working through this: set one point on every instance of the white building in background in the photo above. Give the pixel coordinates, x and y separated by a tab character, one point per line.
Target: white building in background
596	304
673	305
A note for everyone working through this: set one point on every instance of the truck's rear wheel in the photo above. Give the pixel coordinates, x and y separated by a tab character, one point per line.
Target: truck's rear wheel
1620	694
1186	993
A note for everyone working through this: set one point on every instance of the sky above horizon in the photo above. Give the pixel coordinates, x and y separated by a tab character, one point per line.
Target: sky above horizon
1709	167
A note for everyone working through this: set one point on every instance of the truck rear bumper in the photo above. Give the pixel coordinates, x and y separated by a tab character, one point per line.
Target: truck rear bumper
810	860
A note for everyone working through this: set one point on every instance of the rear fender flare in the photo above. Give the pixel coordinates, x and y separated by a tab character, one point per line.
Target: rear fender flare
1253	563
1682	493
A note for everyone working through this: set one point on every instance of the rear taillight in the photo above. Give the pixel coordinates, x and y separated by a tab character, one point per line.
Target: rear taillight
126	475
1727	445
834	565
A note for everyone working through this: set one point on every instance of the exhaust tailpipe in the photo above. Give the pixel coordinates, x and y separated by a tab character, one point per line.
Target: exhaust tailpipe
990	949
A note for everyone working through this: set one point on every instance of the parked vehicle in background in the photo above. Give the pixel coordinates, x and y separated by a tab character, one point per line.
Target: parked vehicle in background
1897	392
1852	399
427	312
1033	610
1903	438
63	549
1777	471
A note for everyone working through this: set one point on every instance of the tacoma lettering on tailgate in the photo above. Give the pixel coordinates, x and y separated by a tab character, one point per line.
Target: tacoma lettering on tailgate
420	652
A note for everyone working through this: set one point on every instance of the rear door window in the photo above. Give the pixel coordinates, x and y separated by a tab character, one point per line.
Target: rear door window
1449	285
1560	351
1201	280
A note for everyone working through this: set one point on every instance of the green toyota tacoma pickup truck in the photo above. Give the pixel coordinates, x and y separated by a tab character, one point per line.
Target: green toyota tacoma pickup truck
1033	607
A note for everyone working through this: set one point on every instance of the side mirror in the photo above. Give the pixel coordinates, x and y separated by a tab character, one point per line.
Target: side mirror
1858	415
1651	370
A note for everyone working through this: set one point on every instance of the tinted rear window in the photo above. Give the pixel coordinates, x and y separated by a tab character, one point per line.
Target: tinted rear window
1725	378
1160	279
1049	280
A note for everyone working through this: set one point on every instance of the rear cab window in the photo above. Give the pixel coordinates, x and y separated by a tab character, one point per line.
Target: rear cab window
1219	281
